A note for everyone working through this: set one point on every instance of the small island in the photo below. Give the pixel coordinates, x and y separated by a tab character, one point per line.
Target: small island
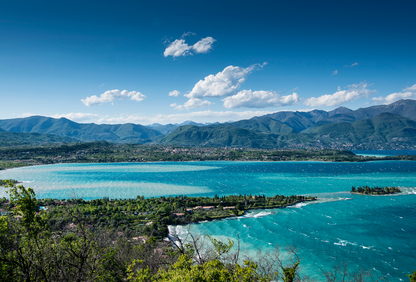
375	191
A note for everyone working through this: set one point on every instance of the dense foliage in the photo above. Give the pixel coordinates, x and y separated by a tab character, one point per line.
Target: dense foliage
375	190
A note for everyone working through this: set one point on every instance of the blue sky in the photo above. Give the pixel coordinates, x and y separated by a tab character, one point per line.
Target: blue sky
117	61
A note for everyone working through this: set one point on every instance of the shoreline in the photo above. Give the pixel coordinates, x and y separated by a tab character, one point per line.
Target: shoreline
245	161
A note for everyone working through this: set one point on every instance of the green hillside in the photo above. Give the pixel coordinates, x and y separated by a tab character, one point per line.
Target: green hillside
118	133
264	124
306	122
383	128
219	136
383	131
12	139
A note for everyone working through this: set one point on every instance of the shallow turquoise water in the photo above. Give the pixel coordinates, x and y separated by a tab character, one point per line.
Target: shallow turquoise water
368	232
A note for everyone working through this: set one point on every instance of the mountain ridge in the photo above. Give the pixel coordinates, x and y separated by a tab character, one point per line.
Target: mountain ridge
281	129
118	133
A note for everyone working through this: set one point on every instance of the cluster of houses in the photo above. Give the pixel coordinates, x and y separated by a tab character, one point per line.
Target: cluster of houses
207	208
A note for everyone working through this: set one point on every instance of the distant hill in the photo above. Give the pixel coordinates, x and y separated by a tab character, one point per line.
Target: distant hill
303	121
384	131
264	124
168	128
384	126
118	133
13	139
381	129
218	136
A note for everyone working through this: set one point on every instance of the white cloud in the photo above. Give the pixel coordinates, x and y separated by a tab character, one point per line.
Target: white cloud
192	103
77	116
353	92
177	48
410	89
200	116
335	72
354	64
259	99
174	93
408	93
111	95
203	45
224	83
180	48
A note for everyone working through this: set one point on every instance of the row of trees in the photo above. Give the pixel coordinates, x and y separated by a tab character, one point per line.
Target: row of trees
375	190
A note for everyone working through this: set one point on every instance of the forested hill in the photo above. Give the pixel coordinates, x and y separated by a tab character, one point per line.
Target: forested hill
384	131
117	133
301	121
11	139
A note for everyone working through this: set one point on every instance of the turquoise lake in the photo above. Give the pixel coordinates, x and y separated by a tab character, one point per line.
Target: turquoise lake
369	232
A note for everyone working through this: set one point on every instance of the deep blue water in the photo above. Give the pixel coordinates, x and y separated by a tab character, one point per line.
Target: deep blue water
368	232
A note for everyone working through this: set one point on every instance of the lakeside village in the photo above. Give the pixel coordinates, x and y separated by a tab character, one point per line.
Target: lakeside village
142	218
104	152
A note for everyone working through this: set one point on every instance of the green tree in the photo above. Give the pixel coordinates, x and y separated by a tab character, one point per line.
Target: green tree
412	276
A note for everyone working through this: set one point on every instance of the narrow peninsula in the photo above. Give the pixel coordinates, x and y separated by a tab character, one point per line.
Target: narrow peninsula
147	217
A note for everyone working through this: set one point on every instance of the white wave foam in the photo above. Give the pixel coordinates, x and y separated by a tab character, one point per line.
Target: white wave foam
299	205
262	214
256	215
344	243
176	231
407	191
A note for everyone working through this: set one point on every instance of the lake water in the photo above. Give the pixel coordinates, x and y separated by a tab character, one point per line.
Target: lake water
383	153
376	233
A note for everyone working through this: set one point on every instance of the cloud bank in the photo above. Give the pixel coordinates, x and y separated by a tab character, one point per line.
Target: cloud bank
259	99
111	95
77	116
352	93
192	103
199	116
407	93
180	48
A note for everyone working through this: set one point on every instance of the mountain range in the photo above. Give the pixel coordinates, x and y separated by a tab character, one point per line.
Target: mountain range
385	126
118	133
